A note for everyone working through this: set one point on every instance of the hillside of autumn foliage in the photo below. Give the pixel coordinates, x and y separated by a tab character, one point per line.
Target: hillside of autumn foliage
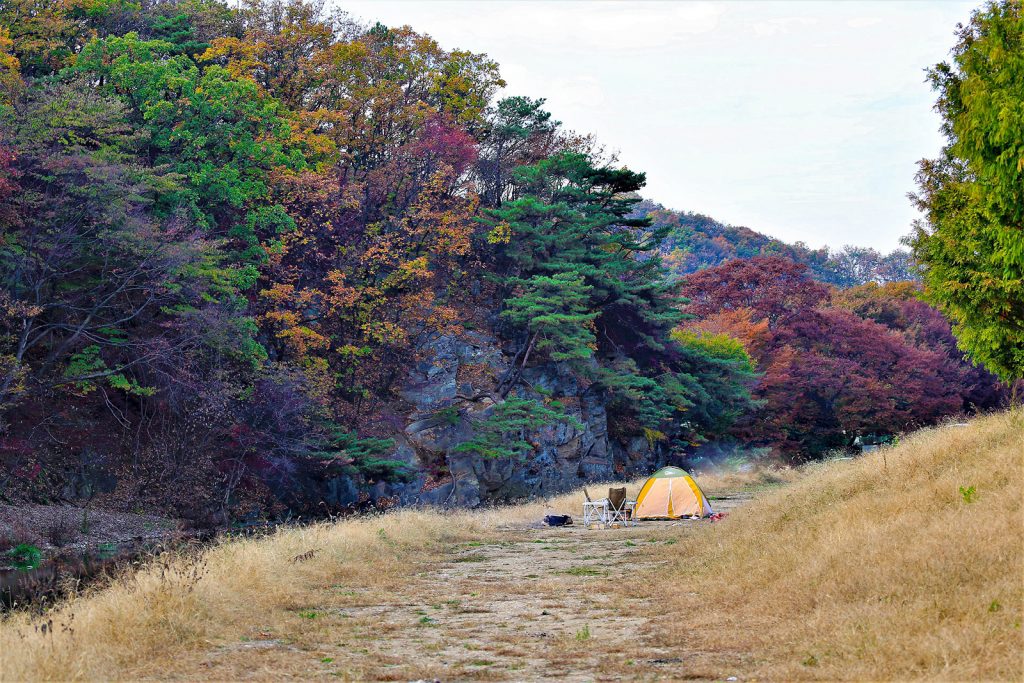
695	241
227	234
835	365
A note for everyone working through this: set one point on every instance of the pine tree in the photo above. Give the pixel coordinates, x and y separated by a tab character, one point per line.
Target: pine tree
554	310
583	283
502	434
571	221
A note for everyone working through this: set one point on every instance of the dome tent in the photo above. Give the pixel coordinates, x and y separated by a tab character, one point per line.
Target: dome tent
671	492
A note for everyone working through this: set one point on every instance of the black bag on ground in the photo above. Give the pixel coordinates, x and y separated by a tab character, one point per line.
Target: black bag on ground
557	520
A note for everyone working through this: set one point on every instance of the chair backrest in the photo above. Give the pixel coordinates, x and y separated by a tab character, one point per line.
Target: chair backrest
617	498
587	495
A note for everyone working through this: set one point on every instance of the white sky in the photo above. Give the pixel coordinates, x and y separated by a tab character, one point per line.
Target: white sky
803	120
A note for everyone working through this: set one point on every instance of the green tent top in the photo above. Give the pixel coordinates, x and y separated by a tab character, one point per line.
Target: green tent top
669	473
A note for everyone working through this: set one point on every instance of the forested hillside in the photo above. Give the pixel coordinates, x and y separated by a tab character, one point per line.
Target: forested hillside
265	259
695	241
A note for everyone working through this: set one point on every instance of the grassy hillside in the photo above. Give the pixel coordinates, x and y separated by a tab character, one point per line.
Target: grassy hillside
874	568
906	563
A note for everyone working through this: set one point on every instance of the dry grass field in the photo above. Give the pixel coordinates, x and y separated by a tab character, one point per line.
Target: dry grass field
876	568
907	563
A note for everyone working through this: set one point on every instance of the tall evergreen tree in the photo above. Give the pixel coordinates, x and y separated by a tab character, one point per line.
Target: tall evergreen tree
972	242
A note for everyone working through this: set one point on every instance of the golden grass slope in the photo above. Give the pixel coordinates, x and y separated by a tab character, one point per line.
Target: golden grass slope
875	568
140	625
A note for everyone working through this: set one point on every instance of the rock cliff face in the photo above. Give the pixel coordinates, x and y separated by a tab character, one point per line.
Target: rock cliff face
455	388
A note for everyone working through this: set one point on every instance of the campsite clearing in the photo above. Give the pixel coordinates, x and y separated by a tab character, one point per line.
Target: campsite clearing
411	595
901	564
524	603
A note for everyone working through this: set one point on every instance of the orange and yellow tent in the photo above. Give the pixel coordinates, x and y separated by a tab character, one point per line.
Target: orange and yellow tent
671	492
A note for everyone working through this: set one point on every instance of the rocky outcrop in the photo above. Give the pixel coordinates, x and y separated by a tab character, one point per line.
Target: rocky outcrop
454	389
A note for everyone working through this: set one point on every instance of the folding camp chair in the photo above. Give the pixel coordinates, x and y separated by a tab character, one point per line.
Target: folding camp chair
592	509
611	510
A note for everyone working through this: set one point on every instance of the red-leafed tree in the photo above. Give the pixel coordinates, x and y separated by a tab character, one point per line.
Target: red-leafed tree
772	287
899	307
875	364
830	376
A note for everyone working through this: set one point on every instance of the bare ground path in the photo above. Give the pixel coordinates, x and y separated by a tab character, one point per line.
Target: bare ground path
522	604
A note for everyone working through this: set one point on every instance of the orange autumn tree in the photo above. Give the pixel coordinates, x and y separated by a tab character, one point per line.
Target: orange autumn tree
384	224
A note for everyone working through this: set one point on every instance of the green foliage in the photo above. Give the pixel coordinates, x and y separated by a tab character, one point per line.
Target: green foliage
129	386
221	133
716	389
973	197
85	363
518	119
267	222
86	368
362	455
708	389
515	127
502	433
968	493
178	31
584	282
647	398
571	223
718	346
556	309
24	556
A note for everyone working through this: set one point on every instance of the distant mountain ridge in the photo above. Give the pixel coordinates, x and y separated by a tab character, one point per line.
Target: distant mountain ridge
696	241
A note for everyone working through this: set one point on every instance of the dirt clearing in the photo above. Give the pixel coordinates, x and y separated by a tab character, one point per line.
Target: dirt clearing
524	603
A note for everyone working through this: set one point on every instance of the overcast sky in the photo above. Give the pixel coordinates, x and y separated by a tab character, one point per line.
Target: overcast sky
803	120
